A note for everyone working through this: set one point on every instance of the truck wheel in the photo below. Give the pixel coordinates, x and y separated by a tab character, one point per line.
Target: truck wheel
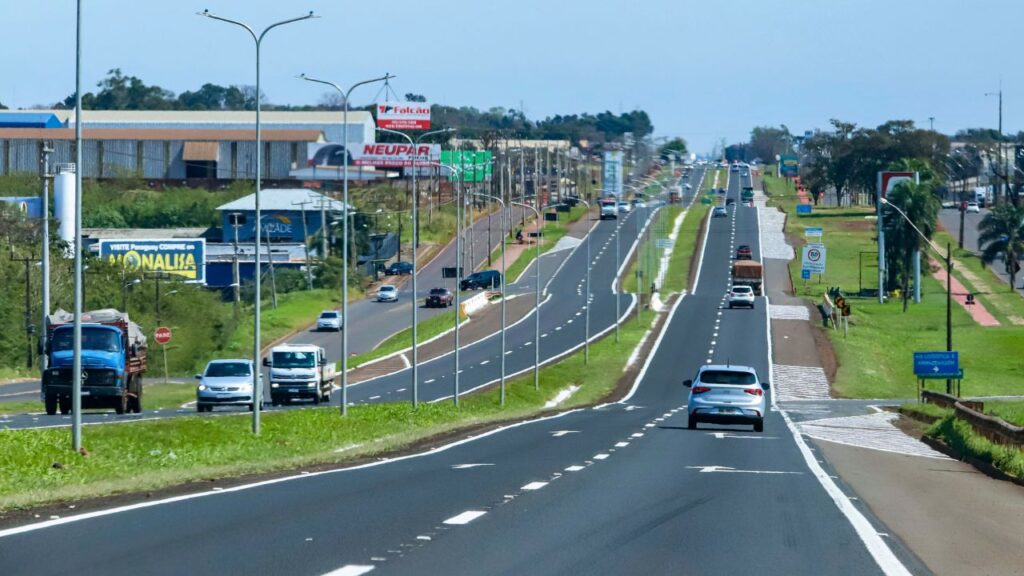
65	404
121	404
136	402
51	404
316	399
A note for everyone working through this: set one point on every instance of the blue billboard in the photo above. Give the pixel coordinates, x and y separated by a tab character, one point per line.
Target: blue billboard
611	173
184	259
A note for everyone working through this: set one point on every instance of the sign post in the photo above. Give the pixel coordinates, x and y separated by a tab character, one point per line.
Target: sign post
162	335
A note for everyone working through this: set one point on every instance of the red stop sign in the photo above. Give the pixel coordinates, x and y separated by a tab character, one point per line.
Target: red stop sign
162	335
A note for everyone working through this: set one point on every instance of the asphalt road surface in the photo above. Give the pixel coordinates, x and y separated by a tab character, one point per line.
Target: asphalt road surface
617	489
562	328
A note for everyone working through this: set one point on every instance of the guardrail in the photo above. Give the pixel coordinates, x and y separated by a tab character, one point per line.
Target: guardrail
992	427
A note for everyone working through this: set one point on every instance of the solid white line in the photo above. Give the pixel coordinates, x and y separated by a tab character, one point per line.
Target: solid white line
534	486
405	361
351	570
429	381
465	518
879	550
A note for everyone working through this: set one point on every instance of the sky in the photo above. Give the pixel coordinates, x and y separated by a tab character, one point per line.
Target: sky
705	71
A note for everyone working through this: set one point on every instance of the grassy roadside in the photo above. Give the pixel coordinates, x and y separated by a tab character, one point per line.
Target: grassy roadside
426	330
295	311
963	439
551	233
155	454
875	361
155	397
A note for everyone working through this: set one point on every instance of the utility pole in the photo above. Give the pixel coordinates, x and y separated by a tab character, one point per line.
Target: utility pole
236	219
305	239
270	264
29	327
45	249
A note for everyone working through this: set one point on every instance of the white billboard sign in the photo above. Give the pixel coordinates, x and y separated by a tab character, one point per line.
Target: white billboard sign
814	258
403	115
395	155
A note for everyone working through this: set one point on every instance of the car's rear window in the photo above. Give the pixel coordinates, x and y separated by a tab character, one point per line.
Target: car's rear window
438	291
727	377
741	289
329	315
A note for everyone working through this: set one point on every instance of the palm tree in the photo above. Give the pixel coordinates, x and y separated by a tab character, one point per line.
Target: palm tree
1001	232
919	203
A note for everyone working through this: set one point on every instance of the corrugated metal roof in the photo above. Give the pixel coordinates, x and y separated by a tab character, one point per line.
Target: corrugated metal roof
33	119
160	134
282	199
207	116
143	233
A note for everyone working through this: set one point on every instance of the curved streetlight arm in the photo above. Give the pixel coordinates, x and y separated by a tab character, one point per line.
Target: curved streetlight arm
252	32
434	133
402	134
934	246
347	93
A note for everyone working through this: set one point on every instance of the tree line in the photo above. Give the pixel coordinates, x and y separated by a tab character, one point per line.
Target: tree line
119	91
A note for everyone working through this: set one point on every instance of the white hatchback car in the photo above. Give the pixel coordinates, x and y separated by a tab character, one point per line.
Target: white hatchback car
973	208
329	320
741	296
726	394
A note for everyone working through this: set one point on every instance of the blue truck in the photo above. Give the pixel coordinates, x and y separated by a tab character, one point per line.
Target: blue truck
113	361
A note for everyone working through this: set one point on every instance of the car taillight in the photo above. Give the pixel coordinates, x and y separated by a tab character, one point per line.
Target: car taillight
754	391
700	389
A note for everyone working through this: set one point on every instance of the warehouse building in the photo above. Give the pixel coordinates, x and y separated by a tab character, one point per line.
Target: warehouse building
174	145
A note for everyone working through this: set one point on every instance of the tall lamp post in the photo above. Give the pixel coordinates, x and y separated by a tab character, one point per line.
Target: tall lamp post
586	300
415	272
949	279
504	295
344	229
257	404
76	361
536	311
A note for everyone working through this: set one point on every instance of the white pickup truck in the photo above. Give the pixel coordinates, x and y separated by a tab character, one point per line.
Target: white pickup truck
299	372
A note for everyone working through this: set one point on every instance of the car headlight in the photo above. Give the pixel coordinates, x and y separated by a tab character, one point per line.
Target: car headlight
311	385
202	387
274	384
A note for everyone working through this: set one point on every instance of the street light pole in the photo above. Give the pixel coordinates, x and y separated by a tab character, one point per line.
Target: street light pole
504	295
586	300
257	404
76	362
536	311
415	272
344	229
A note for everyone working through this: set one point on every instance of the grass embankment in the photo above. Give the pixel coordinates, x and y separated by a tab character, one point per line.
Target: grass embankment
294	311
155	397
875	361
150	455
426	330
551	233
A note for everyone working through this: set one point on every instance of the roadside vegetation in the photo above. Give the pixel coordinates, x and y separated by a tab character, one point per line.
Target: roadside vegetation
875	360
39	466
551	233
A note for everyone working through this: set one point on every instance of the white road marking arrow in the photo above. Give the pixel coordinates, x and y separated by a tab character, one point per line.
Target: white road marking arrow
467	466
735	471
560	433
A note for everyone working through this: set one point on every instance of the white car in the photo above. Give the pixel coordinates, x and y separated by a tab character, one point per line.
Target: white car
741	296
688	186
329	320
973	208
387	293
225	383
623	207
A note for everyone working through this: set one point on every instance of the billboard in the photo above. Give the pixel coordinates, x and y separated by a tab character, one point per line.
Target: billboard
475	164
789	165
612	173
185	259
395	155
403	116
888	180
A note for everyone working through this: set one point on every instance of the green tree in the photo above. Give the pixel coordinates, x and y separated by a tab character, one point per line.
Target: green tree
2	107
675	146
767	141
921	207
1001	232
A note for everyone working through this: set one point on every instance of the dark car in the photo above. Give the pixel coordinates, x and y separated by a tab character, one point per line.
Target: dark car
743	252
730	201
482	279
398	269
439	298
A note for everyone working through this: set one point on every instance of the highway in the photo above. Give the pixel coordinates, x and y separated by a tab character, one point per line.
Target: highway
618	489
562	329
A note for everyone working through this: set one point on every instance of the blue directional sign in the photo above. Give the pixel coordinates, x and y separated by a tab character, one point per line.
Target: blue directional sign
937	364
802	209
805	273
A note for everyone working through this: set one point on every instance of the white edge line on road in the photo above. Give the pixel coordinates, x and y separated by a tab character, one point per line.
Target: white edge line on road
242	487
879	550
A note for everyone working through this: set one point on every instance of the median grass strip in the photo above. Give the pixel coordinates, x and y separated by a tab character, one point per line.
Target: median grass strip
1011	411
154	397
426	330
551	233
39	466
960	436
875	359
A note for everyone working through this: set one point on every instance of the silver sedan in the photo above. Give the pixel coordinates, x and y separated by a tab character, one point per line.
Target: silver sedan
726	394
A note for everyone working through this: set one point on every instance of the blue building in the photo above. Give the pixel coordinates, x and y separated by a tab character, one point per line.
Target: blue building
282	215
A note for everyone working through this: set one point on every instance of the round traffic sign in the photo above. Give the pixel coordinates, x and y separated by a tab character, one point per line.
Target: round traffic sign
162	335
813	254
